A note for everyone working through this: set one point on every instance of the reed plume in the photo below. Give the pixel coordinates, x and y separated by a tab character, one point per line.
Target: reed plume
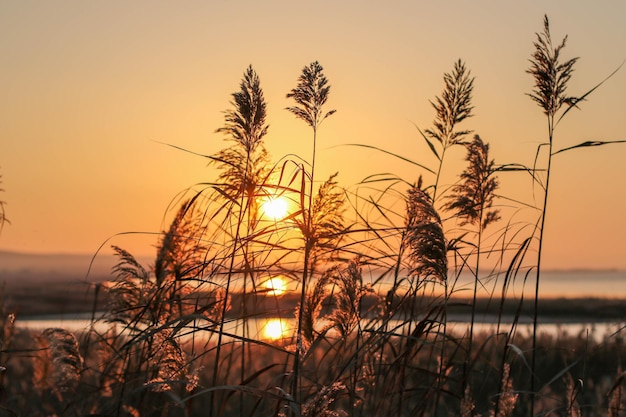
507	398
472	199
59	363
325	227
321	404
348	298
310	95
245	123
452	108
311	310
244	166
425	238
132	292
168	363
550	74
180	252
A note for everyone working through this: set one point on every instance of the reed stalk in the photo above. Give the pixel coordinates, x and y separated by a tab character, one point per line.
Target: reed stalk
551	77
243	173
310	96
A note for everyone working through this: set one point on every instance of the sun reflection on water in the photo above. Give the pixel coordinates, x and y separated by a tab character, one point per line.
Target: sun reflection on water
276	329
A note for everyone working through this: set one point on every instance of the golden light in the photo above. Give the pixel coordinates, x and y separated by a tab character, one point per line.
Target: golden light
275	286
275	329
275	207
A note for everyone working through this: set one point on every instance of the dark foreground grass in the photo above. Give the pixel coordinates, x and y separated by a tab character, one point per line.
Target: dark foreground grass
594	366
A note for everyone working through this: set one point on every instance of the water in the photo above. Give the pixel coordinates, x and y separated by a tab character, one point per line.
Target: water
275	328
555	284
567	284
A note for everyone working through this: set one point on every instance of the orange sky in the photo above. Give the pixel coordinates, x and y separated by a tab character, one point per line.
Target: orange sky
88	89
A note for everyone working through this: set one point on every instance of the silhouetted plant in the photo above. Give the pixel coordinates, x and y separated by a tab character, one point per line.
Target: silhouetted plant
425	239
326	226
244	173
59	363
244	166
471	202
472	199
310	96
551	76
452	108
311	310
348	298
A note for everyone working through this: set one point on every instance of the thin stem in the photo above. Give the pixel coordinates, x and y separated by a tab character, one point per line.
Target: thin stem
436	187
296	384
539	258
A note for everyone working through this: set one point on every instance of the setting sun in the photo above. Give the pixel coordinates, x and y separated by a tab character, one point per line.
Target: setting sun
275	286
275	207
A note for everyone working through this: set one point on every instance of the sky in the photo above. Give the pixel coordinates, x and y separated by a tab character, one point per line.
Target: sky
91	91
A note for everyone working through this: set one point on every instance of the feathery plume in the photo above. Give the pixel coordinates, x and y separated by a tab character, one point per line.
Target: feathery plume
347	312
453	106
506	398
310	95
59	362
550	74
168	362
473	197
245	123
320	405
424	237
311	310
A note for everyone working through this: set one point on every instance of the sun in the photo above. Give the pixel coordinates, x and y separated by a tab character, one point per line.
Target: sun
275	285
275	329
275	208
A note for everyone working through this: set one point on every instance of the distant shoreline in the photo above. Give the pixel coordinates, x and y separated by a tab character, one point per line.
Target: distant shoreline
59	302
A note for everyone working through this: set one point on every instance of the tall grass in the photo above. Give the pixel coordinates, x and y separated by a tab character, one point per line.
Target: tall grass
310	95
369	298
551	75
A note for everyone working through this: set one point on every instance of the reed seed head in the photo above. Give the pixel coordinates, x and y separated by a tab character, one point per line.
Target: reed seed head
550	73
310	95
424	236
59	362
473	197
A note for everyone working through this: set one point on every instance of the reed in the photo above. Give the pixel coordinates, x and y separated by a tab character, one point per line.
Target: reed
310	95
471	202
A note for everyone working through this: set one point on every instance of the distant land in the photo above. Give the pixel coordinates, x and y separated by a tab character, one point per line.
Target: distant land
34	284
40	284
20	266
24	265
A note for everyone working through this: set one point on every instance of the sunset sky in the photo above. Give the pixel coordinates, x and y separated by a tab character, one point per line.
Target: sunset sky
90	90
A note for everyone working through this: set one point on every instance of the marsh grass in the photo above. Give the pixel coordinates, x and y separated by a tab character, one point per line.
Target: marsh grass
370	297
